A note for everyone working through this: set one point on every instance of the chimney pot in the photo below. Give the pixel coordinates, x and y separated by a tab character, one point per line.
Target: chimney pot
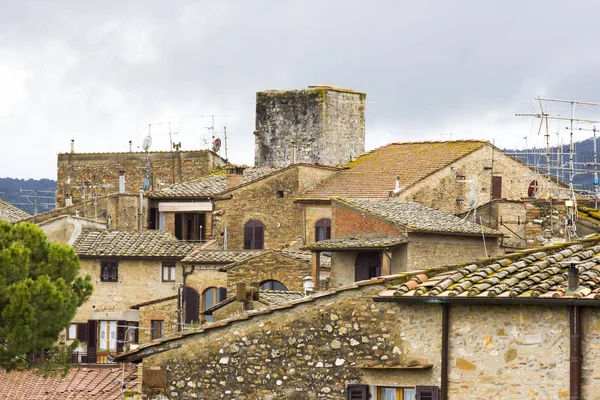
72	145
121	181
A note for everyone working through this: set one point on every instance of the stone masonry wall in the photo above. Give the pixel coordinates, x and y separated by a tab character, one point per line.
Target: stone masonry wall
269	266
204	278
165	311
313	212
102	171
139	281
313	350
328	126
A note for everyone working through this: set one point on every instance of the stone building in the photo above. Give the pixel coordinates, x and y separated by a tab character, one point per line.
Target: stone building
379	237
126	268
323	124
103	172
455	176
502	328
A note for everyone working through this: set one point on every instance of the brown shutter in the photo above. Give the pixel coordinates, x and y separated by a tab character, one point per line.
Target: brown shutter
248	236
121	328
259	237
137	332
222	294
496	187
427	392
357	392
191	301
92	329
82	332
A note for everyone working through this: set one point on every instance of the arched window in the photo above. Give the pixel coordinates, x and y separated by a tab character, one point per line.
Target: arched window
210	297
367	266
323	229
254	235
272	285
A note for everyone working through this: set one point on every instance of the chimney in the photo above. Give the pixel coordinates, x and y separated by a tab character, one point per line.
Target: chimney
130	147
72	145
573	276
235	176
121	181
247	295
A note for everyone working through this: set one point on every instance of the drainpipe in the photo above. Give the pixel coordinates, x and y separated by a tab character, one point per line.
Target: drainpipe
575	353
444	366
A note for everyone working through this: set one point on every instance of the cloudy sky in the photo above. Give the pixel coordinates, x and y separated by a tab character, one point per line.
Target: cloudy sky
101	72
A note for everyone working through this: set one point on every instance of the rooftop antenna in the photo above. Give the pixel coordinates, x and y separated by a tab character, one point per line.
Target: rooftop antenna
146	146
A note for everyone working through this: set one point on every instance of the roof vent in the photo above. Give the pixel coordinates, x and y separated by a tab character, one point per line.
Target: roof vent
573	277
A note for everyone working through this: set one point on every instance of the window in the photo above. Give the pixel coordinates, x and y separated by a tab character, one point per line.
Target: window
189	226
109	271
254	235
168	272
131	333
107	335
279	194
367	266
496	187
323	229
72	332
211	297
158	329
396	393
273	285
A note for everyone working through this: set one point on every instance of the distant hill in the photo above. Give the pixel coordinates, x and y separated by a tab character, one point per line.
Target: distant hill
584	152
10	191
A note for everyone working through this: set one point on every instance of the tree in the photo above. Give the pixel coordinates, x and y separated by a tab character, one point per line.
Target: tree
40	291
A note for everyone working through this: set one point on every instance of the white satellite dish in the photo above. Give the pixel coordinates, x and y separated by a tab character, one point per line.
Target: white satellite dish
147	143
473	198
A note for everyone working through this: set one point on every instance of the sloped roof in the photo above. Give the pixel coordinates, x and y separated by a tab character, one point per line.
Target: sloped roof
199	256
10	213
301	255
81	383
104	243
358	242
267	297
211	185
538	274
418	217
373	175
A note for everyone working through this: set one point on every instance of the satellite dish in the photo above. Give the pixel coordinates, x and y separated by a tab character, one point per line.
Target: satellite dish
216	145
473	198
146	184
147	143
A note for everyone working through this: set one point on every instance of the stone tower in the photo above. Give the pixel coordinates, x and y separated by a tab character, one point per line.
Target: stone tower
322	124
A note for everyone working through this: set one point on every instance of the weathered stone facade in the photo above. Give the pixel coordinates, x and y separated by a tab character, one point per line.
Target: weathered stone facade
324	124
165	311
101	170
270	201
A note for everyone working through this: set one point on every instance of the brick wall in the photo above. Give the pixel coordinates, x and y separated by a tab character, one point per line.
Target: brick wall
102	170
165	311
347	220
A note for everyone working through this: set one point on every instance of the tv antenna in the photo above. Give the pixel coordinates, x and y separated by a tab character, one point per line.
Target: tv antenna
147	143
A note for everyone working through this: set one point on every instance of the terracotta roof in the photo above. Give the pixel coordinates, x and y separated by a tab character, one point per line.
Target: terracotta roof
538	274
358	242
199	256
418	217
104	243
10	213
81	383
211	185
373	175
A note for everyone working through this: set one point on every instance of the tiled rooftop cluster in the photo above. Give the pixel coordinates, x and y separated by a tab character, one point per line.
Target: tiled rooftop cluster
210	186
359	242
10	213
79	384
280	296
541	274
373	175
418	217
220	256
104	243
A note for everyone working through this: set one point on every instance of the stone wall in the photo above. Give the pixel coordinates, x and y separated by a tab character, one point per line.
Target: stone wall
139	281
327	125
282	218
204	278
165	311
286	270
102	171
314	350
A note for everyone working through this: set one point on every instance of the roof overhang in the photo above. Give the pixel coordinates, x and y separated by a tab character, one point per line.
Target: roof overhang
488	301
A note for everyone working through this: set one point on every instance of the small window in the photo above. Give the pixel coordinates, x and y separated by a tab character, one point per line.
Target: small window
396	393
72	332
211	297
323	229
158	329
109	271
273	285
254	235
168	272
280	194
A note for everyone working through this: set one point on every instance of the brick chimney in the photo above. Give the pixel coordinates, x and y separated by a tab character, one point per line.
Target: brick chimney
235	176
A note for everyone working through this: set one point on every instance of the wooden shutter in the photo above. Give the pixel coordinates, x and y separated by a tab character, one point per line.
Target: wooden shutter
121	328
222	294
496	187
427	392
178	226
357	392
191	301
82	332
137	332
248	237
259	237
92	329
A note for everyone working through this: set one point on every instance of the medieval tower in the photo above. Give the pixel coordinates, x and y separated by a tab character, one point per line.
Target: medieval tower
322	124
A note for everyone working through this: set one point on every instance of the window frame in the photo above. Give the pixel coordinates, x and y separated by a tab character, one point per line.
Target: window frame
272	282
171	272
399	391
218	292
69	337
323	225
252	243
111	266
157	325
